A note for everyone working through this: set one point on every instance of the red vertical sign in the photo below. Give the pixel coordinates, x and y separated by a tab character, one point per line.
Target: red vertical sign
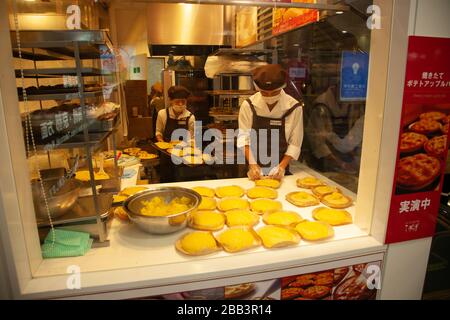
423	140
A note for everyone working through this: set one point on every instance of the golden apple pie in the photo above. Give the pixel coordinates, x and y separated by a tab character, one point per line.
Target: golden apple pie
282	218
240	217
262	192
334	217
336	200
426	126
277	237
433	115
411	142
267	182
238	239
314	230
417	172
320	191
207	220
302	199
197	243
436	146
231	203
261	206
309	182
229	191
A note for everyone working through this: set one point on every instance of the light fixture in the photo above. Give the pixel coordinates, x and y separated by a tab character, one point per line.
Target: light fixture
296	45
344	31
339	12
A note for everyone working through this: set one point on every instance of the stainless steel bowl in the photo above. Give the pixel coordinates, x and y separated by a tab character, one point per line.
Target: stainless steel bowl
160	225
61	202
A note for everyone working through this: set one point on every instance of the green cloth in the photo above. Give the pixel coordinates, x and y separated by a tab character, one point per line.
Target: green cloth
67	244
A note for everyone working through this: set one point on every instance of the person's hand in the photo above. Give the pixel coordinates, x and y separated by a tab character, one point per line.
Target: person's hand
277	172
254	172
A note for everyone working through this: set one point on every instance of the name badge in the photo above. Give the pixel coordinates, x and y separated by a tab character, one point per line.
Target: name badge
275	122
182	122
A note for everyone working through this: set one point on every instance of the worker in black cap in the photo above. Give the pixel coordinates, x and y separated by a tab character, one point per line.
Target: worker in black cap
176	116
270	125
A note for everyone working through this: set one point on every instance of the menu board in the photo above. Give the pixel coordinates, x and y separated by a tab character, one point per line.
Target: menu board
285	19
423	140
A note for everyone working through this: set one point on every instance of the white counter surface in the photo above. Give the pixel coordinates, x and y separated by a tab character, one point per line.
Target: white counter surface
154	259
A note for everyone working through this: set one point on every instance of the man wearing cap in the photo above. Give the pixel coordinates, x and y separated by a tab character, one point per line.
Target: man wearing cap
270	114
176	116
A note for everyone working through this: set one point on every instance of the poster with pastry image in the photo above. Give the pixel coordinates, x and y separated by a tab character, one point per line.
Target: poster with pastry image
261	290
344	283
246	28
422	142
285	19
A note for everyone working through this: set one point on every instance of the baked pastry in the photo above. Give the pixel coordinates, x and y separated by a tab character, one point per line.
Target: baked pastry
417	172
445	128
265	205
197	243
309	182
302	199
321	191
164	145
262	192
333	217
231	203
316	292
267	182
314	230
290	293
433	115
238	239
336	200
436	146
144	155
229	191
204	191
129	191
277	237
239	290
240	217
303	281
411	142
354	288
282	218
426	126
324	279
207	203
207	220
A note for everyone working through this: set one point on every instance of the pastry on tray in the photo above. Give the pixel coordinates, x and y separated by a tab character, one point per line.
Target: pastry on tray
336	200
425	126
321	191
231	203
417	172
290	293
197	243
207	203
261	206
334	217
262	192
314	230
316	292
238	290
412	141
302	199
433	115
267	182
204	191
309	182
282	218
229	191
207	220
237	239
164	145
436	146
277	237
239	217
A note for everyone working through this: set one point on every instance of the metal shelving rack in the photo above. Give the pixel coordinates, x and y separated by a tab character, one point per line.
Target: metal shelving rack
75	45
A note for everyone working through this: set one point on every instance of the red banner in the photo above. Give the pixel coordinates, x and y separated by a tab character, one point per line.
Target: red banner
423	140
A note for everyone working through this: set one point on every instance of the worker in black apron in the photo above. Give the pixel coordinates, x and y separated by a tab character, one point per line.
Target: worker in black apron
267	115
169	120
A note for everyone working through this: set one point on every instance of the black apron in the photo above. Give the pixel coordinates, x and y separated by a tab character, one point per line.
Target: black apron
270	124
167	167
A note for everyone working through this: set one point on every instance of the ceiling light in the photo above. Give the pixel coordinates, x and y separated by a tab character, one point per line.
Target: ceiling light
344	31
339	12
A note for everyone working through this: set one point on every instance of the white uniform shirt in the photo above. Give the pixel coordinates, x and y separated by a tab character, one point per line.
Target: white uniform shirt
294	122
161	121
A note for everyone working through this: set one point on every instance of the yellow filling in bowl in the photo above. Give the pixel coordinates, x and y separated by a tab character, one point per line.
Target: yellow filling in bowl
157	207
